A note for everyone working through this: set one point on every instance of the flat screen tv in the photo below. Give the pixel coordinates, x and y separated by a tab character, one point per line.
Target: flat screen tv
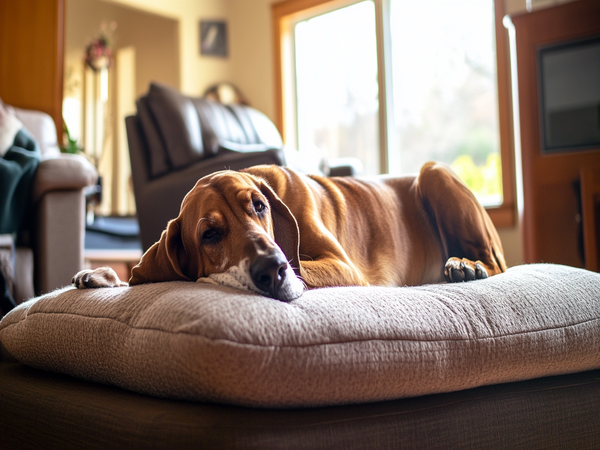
570	95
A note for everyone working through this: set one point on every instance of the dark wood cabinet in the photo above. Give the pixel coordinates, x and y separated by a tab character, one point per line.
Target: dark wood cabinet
31	55
552	212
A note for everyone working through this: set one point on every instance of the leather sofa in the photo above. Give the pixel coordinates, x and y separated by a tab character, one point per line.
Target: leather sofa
174	140
54	250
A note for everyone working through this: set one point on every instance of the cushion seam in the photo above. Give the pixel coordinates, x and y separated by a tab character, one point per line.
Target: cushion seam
562	327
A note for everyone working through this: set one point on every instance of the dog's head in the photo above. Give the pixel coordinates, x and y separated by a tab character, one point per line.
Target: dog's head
233	229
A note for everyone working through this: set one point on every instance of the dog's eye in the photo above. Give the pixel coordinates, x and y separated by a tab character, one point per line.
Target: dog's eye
211	237
259	206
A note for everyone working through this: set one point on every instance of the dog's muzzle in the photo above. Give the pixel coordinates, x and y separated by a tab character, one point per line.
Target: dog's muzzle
268	272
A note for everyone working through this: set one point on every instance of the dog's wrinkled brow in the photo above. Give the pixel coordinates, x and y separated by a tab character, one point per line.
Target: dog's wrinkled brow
212	219
244	197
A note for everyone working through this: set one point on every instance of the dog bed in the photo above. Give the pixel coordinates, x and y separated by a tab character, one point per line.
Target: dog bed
331	346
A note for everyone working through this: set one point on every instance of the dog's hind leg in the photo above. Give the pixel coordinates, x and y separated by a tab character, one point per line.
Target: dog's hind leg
468	236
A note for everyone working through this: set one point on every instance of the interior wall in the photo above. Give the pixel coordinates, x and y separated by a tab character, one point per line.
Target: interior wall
252	52
515	6
196	73
249	64
155	38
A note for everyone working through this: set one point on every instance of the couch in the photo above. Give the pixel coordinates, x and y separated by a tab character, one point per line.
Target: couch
54	250
174	140
510	362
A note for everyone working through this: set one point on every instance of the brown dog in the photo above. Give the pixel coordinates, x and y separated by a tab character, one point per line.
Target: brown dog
266	228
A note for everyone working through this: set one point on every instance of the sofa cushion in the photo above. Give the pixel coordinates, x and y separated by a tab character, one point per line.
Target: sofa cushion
331	346
178	123
156	152
259	128
41	126
235	127
218	124
9	127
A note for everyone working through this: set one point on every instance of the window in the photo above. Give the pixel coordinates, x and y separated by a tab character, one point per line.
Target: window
336	84
397	83
444	83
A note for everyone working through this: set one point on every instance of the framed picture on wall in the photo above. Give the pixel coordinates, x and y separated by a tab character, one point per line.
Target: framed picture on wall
213	38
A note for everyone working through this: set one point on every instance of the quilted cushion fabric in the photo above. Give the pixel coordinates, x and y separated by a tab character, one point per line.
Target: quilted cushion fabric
331	346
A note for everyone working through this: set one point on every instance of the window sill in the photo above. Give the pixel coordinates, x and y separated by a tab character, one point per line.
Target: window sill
502	216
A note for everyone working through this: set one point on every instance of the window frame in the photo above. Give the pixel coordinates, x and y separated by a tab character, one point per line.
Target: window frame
288	12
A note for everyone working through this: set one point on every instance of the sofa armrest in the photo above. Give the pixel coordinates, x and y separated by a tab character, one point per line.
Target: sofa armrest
68	172
59	227
58	238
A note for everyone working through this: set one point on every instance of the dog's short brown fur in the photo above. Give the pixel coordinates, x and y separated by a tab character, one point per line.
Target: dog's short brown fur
332	231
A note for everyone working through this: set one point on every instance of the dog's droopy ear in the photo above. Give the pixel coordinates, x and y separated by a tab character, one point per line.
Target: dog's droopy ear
285	227
162	261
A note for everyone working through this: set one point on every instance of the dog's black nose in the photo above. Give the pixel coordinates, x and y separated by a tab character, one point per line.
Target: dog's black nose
268	272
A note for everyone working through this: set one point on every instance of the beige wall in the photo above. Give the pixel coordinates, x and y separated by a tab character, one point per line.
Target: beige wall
154	37
515	6
252	52
250	62
196	72
519	6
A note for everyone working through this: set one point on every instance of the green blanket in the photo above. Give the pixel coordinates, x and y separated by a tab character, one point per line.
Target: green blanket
17	172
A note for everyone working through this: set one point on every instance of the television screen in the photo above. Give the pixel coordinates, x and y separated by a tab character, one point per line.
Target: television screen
570	95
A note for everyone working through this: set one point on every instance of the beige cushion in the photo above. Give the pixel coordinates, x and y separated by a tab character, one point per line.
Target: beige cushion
331	346
41	126
66	172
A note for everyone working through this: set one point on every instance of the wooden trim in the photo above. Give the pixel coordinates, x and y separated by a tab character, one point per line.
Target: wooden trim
59	82
31	56
285	12
385	82
590	212
502	216
507	218
277	16
283	15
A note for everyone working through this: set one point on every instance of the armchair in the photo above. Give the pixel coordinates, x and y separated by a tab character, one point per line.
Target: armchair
174	140
54	250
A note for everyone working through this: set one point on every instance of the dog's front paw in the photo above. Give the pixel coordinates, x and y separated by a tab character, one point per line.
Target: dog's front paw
457	270
97	278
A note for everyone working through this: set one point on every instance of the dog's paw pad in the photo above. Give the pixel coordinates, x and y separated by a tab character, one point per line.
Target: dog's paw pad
97	278
470	273
480	272
457	270
457	275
